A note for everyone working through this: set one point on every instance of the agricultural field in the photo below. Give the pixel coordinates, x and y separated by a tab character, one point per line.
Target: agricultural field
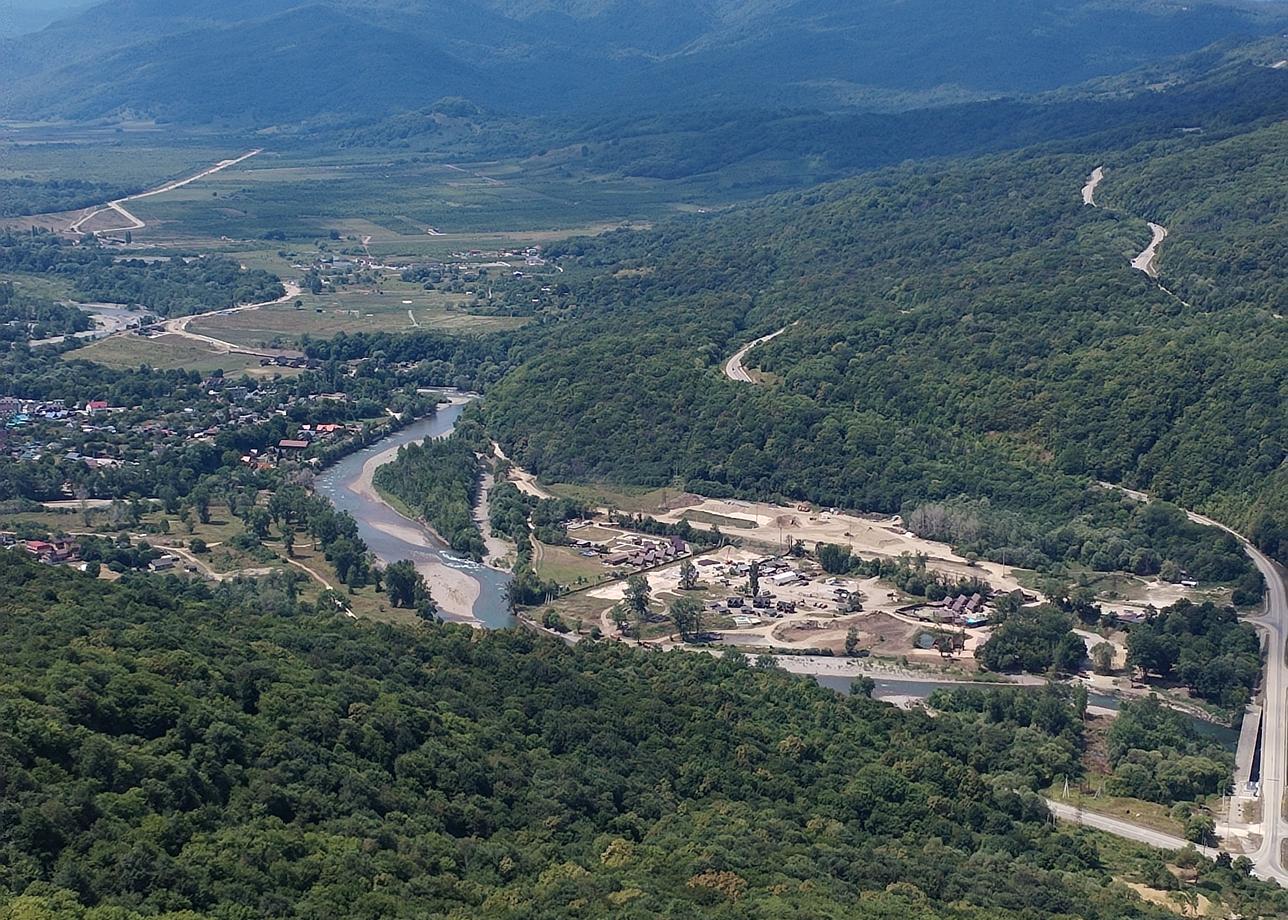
407	206
138	158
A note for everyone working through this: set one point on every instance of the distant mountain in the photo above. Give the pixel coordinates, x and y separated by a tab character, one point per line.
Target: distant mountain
19	17
270	61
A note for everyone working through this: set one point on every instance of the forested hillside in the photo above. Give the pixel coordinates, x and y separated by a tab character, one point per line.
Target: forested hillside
169	746
278	61
967	329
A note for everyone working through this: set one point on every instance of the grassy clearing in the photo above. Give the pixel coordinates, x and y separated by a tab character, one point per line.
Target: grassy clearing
1148	814
400	308
40	285
567	566
580	611
720	520
624	498
167	352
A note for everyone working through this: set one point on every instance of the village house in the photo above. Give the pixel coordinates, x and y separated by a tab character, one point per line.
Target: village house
52	552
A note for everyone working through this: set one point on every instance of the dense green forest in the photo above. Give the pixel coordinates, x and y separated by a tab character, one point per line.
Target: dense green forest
170	287
1157	755
1203	646
438	480
226	750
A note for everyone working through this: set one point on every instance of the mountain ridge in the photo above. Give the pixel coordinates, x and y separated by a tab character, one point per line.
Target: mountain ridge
169	61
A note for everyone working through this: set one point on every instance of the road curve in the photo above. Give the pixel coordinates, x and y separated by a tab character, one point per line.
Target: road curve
133	223
1147	261
1268	858
179	325
733	368
1124	829
1273	621
1089	190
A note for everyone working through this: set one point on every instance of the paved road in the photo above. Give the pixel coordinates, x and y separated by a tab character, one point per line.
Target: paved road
733	367
1124	829
1089	190
1147	261
1274	741
1273	621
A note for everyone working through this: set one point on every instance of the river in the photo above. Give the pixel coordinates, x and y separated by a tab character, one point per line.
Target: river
392	536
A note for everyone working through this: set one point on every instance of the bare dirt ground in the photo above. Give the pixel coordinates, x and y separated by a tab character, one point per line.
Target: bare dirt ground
819	622
883	537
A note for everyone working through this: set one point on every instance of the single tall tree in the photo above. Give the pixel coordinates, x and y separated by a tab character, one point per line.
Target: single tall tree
688	575
637	600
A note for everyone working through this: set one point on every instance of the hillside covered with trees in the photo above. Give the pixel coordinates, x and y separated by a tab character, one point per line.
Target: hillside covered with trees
968	329
171	746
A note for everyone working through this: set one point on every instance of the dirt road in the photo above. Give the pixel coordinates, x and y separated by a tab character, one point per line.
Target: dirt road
179	325
523	480
132	222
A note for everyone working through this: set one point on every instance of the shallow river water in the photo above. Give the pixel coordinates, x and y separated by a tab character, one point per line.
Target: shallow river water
490	608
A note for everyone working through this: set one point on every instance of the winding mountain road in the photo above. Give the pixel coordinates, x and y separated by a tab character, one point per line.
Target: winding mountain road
734	369
133	222
1147	261
1089	190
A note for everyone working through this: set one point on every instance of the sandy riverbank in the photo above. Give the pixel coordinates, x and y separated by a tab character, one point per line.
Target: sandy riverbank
453	589
497	549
